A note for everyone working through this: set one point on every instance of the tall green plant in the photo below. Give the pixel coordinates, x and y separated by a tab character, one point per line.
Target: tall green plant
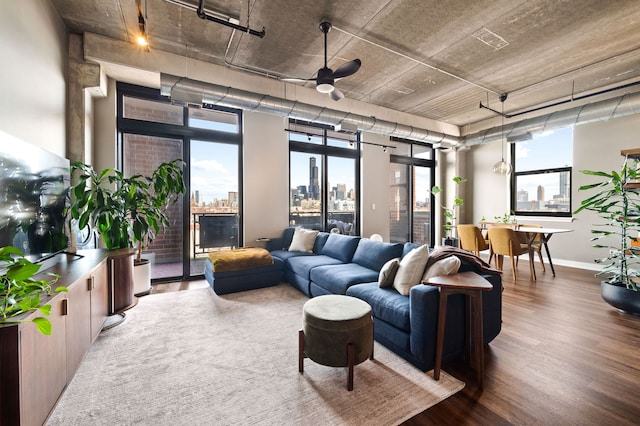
619	209
126	211
450	212
20	293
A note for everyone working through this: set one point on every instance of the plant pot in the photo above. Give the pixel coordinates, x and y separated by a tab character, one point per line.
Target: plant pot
141	277
621	297
449	241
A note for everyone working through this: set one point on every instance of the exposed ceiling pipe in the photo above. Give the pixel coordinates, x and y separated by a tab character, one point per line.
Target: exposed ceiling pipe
598	111
235	98
555	104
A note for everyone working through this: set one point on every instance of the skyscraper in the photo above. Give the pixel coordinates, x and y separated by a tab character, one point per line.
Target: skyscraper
314	186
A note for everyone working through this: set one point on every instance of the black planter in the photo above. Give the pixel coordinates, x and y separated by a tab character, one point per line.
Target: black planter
449	241
621	297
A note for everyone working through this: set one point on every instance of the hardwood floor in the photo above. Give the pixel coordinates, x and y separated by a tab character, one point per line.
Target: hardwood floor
563	357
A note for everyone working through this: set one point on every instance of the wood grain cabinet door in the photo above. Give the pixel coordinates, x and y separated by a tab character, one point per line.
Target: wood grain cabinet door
42	365
99	282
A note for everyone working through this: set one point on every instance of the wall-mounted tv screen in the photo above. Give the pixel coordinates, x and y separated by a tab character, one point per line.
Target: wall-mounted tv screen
34	187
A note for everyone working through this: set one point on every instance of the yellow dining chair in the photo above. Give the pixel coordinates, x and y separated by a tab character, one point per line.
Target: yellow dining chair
536	244
471	239
505	242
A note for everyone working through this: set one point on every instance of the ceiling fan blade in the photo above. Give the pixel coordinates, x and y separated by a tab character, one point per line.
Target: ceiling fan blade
347	69
336	94
297	80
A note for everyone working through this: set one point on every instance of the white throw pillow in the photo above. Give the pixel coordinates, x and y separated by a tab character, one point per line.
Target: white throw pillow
411	269
388	273
303	240
447	266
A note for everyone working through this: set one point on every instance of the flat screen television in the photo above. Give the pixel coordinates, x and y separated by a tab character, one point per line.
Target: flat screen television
34	188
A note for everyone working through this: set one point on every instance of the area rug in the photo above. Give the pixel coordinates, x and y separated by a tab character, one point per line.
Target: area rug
194	358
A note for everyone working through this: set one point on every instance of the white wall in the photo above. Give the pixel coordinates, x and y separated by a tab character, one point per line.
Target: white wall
374	187
33	48
265	176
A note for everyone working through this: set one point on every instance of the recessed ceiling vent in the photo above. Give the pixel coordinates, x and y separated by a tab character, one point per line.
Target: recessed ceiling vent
490	38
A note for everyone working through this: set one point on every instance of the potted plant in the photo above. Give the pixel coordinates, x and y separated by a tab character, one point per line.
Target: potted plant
619	209
126	212
450	214
20	293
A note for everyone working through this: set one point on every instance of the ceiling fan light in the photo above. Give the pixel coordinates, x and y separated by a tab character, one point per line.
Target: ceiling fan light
502	168
324	88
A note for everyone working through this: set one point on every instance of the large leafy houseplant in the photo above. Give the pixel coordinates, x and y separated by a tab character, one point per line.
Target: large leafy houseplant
450	212
619	209
20	293
125	211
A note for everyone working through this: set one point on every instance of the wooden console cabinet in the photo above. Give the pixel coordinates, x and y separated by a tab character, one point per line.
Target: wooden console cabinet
34	368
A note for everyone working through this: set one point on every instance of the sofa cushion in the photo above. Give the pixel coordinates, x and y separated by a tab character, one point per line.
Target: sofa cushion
286	254
447	266
388	273
321	239
287	236
411	269
408	247
303	240
337	278
374	254
386	303
302	265
341	247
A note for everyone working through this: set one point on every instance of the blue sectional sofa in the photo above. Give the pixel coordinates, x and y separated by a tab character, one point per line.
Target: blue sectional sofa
341	264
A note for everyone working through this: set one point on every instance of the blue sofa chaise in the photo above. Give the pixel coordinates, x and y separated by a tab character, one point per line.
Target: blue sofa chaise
407	325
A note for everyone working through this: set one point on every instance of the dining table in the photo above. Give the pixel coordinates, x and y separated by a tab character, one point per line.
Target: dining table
532	232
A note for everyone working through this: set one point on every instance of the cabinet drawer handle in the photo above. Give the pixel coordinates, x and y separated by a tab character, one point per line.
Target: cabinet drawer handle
91	285
65	306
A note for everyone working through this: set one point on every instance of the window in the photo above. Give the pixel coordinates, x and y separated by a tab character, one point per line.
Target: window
209	140
323	178
541	182
411	176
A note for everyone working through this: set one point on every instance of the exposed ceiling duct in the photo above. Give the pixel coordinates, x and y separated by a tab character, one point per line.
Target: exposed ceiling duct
523	130
235	98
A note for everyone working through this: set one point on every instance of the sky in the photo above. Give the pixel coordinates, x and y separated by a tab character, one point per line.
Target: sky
546	151
214	169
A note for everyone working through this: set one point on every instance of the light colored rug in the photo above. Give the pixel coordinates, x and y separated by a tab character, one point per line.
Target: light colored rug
195	358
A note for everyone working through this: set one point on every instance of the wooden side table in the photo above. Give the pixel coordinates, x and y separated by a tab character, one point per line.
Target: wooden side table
471	285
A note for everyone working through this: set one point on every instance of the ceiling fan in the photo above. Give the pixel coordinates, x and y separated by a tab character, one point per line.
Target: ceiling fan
326	76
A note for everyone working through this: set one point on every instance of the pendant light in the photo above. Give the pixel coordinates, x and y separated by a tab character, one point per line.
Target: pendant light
502	167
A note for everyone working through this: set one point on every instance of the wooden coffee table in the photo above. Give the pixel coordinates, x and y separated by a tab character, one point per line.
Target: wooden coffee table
471	285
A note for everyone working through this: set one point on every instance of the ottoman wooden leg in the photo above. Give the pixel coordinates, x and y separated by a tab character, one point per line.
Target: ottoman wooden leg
300	351
351	354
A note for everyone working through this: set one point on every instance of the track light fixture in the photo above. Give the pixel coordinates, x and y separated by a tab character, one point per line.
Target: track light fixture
142	39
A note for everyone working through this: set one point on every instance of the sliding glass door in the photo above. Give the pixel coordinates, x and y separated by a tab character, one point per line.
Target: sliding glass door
209	141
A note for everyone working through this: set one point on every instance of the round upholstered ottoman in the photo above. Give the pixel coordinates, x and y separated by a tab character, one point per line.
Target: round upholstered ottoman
336	331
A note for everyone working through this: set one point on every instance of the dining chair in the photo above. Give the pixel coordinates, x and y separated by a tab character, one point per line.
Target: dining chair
536	244
505	242
471	239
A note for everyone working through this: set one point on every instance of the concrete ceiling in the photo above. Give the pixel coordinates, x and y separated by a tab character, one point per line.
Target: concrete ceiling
431	58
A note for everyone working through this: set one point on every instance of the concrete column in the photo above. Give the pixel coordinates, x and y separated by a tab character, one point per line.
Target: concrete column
461	171
81	76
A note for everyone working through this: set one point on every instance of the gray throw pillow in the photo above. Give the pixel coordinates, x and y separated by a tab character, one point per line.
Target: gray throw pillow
388	273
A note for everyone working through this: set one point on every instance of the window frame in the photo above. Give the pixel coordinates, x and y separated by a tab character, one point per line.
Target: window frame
412	161
513	199
178	131
325	150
